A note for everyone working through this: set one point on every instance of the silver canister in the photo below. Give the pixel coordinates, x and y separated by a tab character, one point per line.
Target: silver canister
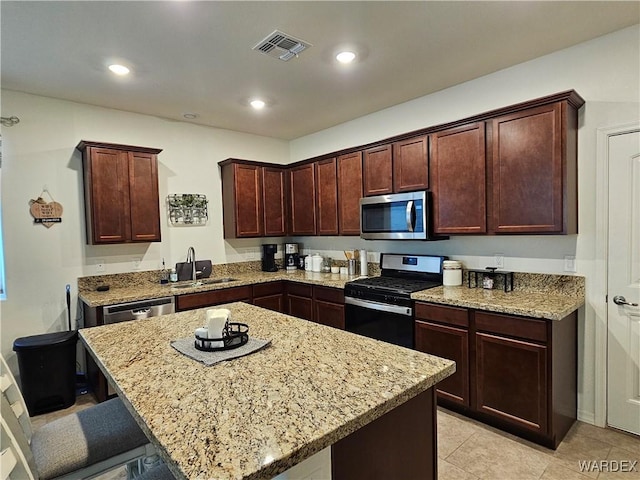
351	266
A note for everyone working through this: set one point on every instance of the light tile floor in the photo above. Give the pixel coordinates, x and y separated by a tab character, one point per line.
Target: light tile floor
470	450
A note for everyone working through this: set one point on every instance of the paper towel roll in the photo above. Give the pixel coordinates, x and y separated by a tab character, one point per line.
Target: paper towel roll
217	319
364	264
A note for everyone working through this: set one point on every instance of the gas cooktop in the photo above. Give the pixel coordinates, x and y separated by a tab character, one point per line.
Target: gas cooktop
401	276
399	285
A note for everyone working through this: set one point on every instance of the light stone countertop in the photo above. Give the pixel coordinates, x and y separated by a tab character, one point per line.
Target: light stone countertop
255	416
549	305
147	290
535	295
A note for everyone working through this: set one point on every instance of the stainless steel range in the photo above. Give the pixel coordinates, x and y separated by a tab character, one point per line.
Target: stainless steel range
381	307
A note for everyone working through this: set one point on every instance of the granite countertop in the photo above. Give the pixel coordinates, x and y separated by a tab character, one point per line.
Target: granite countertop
144	290
258	415
547	296
551	305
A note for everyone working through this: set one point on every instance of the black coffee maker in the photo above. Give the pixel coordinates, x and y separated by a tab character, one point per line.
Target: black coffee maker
269	257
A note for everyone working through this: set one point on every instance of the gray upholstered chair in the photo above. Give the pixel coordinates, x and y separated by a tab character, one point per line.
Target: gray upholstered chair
79	445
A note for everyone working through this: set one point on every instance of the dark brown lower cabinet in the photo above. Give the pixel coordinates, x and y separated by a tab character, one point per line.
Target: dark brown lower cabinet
516	373
522	365
300	300
270	296
402	444
190	301
328	306
451	343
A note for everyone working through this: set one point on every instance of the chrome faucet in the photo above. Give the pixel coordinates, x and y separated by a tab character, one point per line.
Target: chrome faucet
191	257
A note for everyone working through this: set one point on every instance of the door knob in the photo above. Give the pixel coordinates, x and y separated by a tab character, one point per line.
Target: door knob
620	300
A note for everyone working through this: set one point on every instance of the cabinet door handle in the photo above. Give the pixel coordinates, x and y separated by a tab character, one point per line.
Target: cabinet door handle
620	300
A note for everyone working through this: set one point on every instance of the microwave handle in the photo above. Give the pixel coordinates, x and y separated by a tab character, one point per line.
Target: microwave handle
410	216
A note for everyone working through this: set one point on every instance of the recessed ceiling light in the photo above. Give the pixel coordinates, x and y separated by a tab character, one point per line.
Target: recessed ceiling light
257	104
345	57
190	116
119	69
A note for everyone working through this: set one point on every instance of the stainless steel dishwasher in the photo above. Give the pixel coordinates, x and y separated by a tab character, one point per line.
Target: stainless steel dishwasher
123	312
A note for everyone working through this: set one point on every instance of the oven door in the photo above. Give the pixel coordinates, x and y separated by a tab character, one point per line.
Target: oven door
389	323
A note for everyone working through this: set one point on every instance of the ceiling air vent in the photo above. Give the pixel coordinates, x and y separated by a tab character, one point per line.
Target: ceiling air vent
281	45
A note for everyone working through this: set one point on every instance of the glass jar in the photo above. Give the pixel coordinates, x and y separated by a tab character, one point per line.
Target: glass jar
326	264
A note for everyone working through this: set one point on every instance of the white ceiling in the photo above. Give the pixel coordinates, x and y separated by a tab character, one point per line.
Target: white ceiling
197	57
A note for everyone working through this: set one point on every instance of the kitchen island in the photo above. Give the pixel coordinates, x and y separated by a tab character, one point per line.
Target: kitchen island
259	415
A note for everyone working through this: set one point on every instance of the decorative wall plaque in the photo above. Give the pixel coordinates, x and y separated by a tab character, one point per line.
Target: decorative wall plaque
45	213
187	209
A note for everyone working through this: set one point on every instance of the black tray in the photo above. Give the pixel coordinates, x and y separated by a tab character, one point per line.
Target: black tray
234	335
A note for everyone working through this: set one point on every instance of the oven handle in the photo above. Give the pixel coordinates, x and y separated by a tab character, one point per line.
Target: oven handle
382	307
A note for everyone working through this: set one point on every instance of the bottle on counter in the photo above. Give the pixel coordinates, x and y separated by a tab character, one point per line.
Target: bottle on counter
173	276
164	274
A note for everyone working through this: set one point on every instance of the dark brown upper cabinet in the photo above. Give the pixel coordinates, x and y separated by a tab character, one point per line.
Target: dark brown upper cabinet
121	193
274	195
349	192
242	200
378	170
508	171
302	206
534	172
398	167
410	165
458	180
327	197
253	199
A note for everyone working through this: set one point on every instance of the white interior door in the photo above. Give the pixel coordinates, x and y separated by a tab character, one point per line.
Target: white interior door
623	349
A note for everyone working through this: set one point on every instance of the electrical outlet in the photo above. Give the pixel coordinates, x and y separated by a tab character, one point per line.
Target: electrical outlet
136	263
499	260
570	263
100	266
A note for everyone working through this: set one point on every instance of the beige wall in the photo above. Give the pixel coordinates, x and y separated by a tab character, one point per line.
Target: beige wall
41	151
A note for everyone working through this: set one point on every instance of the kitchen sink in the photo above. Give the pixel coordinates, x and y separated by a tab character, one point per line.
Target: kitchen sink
219	280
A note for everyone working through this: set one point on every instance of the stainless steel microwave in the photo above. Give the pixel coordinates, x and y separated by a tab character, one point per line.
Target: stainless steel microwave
399	216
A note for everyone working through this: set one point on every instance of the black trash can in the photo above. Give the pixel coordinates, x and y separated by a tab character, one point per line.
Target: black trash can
47	370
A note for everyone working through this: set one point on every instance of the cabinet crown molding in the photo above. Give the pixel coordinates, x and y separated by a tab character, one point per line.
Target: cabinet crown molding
84	144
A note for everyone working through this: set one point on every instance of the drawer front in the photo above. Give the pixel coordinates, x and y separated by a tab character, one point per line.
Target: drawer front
269	288
328	294
520	327
299	290
442	314
213	297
